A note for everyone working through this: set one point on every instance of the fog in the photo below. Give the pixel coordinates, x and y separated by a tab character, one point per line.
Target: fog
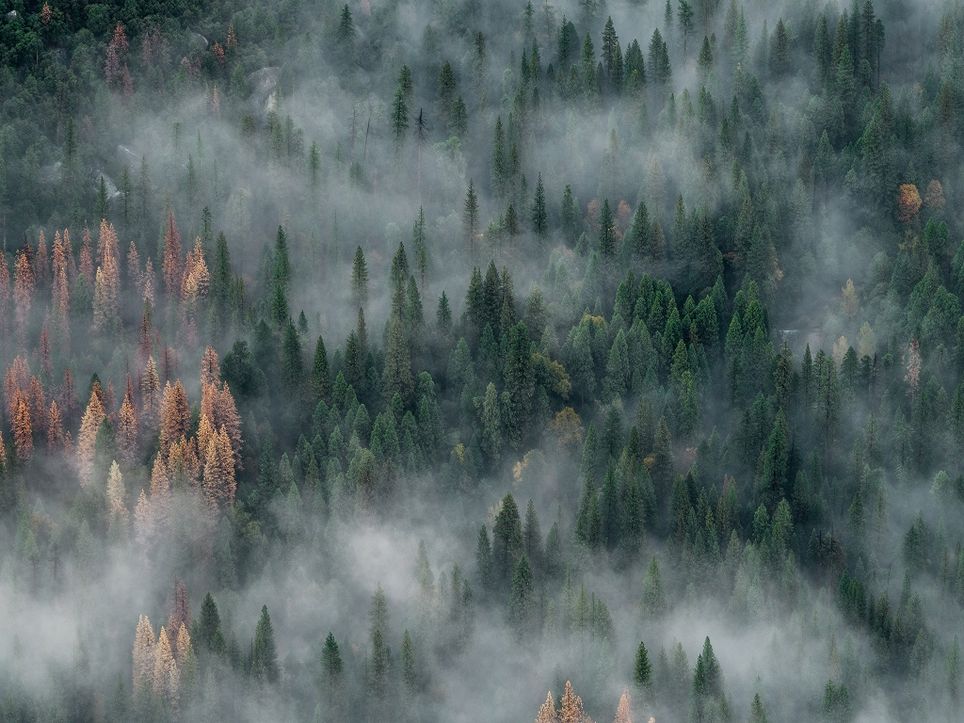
294	129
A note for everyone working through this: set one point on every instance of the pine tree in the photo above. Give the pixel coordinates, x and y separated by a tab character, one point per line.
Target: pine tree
500	161
208	627
521	597
483	560
547	712
264	657
443	316
164	679
171	266
570	707
346	31
175	414
654	601
116	506
331	661
470	216
540	217
143	655
685	16
519	376
93	417
607	231
292	364
397	375
623	712
22	431
757	711
410	672
569	215
643	670
399	116
359	278
126	430
507	543
320	376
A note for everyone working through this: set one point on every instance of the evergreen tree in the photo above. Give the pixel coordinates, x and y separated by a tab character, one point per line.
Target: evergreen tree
264	657
540	217
359	278
607	231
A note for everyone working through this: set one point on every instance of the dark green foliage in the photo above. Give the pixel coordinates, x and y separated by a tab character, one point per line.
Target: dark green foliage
264	657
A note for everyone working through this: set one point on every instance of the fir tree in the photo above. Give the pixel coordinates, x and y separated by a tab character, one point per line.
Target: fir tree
264	657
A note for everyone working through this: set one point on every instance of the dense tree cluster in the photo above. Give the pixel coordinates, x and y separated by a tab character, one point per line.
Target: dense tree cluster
637	327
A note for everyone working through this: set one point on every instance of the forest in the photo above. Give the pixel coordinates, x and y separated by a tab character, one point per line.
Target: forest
481	360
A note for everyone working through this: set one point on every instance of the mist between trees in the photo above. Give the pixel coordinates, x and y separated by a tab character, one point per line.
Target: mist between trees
481	361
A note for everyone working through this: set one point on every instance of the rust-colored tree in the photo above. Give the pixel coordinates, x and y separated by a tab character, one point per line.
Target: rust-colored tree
115	64
547	713
165	679
150	395
570	707
38	406
127	430
908	202
219	480
175	414
171	265
116	500
23	285
134	273
16	382
180	609
41	260
22	431
143	520
55	428
143	655
624	713
217	404
93	417
210	367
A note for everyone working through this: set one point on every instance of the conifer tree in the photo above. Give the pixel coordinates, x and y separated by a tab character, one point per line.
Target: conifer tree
643	670
507	540
22	431
757	711
126	430
547	712
93	417
569	215
172	265
346	31
331	661
143	655
116	506
320	376
623	711
410	670
570	707
654	602
540	217
264	657
164	678
208	627
175	414
521	597
470	216
359	278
